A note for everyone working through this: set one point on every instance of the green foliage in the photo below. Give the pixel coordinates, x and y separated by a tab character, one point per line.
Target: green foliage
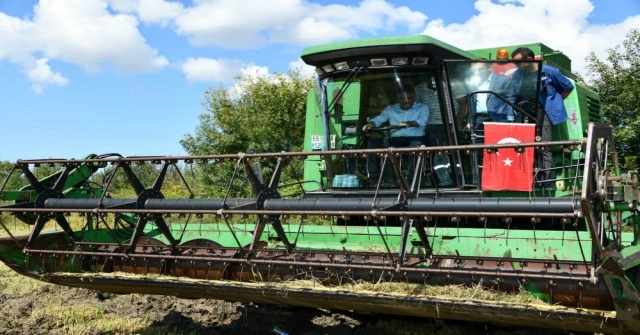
262	114
173	185
266	115
617	80
14	181
120	184
630	163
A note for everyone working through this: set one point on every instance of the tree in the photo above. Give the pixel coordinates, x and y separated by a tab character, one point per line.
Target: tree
617	80
262	114
14	181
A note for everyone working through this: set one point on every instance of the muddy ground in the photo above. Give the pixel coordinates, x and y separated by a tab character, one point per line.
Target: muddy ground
20	315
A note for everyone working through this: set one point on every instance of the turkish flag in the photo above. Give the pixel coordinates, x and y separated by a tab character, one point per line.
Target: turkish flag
507	169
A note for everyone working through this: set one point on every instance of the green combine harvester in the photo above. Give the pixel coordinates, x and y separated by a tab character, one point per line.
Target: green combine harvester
468	208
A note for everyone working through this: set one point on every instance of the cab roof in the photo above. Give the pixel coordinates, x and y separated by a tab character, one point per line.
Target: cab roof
415	45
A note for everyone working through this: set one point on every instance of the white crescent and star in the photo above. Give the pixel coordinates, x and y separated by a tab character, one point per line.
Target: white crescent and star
507	140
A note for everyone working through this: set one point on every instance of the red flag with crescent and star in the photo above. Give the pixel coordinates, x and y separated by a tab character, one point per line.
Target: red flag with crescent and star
506	168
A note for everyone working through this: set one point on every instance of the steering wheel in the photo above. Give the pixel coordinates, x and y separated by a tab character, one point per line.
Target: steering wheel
385	131
387	128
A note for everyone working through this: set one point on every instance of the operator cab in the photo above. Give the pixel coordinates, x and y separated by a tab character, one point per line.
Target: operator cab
358	84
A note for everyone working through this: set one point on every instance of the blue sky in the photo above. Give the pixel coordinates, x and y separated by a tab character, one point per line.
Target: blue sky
128	76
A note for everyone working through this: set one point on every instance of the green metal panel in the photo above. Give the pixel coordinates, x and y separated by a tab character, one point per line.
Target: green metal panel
578	118
583	106
313	126
541	244
490	242
351	114
589	104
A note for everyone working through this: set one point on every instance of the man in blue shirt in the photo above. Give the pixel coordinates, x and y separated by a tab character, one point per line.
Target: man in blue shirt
407	114
554	88
488	107
411	118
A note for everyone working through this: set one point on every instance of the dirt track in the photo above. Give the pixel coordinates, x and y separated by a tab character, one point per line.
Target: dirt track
21	314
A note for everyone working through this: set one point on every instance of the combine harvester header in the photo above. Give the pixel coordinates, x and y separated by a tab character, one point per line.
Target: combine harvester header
359	215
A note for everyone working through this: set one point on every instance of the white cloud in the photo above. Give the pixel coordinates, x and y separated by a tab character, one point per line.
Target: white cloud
304	69
288	21
254	71
149	11
226	70
81	32
221	70
125	6
231	23
561	25
369	16
15	46
310	31
323	24
104	34
158	11
42	75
